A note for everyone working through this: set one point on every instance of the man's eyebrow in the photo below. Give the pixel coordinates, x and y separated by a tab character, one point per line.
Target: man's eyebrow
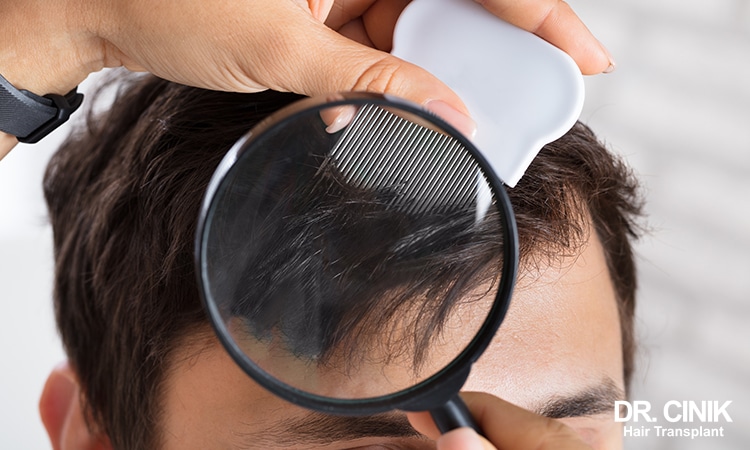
321	429
597	399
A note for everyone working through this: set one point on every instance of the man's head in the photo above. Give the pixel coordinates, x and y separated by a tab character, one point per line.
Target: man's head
124	197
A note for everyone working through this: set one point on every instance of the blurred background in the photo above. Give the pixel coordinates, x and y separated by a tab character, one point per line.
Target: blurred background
677	108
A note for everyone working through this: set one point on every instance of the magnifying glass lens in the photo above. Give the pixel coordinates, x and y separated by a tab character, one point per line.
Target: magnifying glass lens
357	264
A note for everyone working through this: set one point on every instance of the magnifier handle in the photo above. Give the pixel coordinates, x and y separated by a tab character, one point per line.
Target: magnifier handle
454	414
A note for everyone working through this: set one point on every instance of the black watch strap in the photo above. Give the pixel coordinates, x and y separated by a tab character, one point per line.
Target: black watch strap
30	117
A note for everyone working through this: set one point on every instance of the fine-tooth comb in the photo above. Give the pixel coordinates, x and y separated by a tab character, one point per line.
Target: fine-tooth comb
521	91
430	171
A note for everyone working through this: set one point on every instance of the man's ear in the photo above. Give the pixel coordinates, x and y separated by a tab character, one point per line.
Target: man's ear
62	415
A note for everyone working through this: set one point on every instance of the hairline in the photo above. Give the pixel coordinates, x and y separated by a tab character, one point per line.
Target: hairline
545	247
190	344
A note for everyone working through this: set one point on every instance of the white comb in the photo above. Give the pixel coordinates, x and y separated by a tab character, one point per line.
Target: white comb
522	91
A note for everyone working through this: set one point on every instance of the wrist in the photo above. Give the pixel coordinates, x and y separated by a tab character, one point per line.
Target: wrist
46	47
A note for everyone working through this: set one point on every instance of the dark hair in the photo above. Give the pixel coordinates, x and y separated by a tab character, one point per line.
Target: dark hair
124	195
324	266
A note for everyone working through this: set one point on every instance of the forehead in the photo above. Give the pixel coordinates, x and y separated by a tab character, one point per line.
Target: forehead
561	336
562	333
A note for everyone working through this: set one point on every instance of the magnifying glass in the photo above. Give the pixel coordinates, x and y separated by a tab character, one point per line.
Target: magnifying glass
357	271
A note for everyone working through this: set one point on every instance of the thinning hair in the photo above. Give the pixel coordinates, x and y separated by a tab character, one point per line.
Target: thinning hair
335	273
124	192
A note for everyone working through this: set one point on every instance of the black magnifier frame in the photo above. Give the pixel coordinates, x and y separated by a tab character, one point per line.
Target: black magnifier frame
440	388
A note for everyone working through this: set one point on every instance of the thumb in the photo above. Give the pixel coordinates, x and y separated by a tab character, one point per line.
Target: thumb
506	426
463	438
310	58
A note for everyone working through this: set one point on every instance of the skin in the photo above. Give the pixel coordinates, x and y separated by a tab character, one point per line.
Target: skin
309	47
561	336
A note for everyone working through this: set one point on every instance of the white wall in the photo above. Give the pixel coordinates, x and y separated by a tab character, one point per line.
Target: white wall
29	346
678	108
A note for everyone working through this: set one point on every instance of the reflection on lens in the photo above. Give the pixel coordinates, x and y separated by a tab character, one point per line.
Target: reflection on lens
355	264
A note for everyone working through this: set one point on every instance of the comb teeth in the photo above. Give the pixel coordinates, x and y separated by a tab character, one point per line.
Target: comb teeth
428	170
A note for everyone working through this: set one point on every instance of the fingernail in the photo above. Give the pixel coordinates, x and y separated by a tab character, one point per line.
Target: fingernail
464	438
611	68
343	117
612	65
459	120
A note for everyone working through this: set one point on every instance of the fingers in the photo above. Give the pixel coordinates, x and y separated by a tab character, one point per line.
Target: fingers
355	30
507	426
463	439
460	438
320	9
422	422
337	118
372	26
555	22
344	11
552	20
316	60
274	44
380	21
